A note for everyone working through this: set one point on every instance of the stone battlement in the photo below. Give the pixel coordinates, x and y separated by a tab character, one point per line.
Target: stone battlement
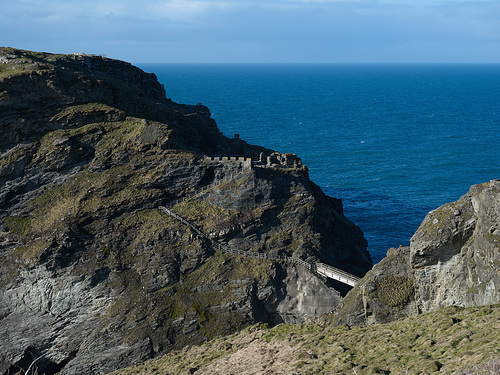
274	160
278	160
245	162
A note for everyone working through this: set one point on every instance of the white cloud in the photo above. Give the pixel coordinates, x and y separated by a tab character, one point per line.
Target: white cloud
315	30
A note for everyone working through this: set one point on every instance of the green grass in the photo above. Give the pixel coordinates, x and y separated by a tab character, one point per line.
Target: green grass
17	153
33	249
95	193
208	217
20	225
447	341
195	297
395	290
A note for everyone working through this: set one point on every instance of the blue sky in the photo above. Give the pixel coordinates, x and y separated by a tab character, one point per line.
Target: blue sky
258	31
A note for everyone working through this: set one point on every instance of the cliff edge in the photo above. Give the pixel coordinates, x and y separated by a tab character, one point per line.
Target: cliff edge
453	260
94	275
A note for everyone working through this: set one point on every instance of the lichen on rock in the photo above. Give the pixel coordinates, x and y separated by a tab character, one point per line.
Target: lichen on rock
453	260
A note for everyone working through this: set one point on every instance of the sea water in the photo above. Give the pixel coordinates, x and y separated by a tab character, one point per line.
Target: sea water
392	141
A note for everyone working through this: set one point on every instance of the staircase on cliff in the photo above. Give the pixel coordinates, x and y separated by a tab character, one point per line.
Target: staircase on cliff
317	267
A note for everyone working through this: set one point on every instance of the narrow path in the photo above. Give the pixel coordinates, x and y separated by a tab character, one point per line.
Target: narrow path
320	268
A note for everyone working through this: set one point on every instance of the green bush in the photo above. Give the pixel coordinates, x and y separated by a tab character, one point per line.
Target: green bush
395	290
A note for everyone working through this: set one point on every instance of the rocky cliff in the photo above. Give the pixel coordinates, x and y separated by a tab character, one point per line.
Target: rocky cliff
453	259
94	276
438	299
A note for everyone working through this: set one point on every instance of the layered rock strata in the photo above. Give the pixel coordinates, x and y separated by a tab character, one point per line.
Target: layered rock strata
94	276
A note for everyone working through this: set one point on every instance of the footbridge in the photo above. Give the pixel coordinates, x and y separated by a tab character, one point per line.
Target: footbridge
318	268
336	274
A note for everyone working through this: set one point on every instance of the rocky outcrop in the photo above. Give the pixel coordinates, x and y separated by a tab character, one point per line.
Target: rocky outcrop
385	294
453	259
455	253
94	276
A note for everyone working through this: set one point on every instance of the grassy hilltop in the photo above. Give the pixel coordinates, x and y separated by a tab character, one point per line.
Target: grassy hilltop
449	341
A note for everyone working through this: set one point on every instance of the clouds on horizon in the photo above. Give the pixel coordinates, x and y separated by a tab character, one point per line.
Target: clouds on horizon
259	30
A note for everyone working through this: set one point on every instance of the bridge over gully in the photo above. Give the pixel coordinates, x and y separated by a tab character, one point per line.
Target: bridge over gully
317	267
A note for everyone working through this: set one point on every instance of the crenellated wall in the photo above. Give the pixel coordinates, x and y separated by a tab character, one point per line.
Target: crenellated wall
275	160
245	162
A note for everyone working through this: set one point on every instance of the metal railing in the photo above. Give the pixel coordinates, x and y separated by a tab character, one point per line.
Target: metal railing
336	274
320	268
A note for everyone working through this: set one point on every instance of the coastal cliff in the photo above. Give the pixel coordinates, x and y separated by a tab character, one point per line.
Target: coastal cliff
453	260
94	275
432	307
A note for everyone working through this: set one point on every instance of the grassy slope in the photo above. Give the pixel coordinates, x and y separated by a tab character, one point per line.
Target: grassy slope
447	341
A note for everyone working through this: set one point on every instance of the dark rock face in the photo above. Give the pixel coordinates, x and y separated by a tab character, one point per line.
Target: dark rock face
93	276
453	259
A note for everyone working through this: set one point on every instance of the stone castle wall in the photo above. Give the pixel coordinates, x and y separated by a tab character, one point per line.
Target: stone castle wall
245	162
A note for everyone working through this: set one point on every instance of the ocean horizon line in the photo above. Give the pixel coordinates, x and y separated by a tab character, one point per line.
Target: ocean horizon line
321	63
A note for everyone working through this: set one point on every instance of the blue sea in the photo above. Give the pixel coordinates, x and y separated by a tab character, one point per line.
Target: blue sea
392	141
